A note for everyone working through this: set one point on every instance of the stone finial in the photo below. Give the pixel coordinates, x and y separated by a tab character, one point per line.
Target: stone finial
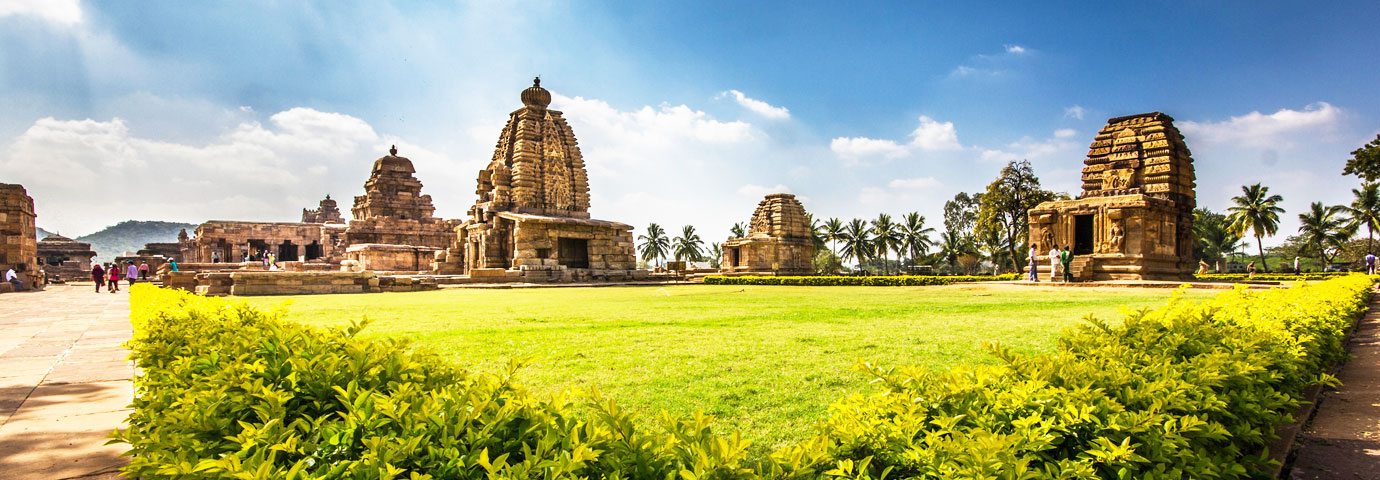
391	151
535	96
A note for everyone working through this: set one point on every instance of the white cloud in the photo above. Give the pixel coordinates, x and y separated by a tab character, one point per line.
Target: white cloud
1074	112
1015	49
919	183
1065	133
759	191
1279	129
761	108
930	135
64	12
646	134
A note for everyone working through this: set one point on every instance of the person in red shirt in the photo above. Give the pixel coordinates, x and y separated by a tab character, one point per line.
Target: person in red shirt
114	285
97	275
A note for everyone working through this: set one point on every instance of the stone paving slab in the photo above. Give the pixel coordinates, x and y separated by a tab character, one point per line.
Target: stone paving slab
64	383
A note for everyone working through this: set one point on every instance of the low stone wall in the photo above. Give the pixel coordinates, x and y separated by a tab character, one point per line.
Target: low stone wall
391	258
301	283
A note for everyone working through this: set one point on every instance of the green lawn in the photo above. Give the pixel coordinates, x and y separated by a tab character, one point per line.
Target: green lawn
766	360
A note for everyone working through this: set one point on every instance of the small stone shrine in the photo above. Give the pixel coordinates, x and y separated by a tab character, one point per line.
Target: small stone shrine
393	210
531	220
778	241
64	259
18	236
1134	218
327	212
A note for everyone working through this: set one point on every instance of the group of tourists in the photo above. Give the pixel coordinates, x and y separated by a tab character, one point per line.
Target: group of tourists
111	273
1057	259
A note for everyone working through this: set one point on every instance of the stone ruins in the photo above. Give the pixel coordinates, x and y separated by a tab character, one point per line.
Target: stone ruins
64	259
778	241
393	227
327	212
531	221
1134	217
18	237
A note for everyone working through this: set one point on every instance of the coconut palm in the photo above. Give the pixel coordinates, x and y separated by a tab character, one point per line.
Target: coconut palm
833	231
1324	228
915	238
654	244
857	241
1258	211
885	237
688	246
953	245
716	253
738	230
1365	210
817	238
1215	236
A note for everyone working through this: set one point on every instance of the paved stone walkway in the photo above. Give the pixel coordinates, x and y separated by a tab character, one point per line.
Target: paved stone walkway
1343	440
64	382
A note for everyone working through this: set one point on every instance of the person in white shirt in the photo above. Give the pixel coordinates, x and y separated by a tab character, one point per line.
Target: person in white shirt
12	277
1054	254
1034	260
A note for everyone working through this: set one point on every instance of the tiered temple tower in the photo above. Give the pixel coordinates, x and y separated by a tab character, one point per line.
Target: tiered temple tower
778	241
531	218
1134	218
327	212
393	210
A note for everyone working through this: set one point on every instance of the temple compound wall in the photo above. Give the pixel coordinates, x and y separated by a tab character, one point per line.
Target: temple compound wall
778	241
1134	217
64	259
18	237
232	241
531	220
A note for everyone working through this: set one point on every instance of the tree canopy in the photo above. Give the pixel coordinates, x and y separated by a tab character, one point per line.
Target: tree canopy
1365	162
1002	209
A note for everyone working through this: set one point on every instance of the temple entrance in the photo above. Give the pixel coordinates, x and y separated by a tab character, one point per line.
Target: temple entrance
256	250
287	252
313	251
730	257
1083	235
573	252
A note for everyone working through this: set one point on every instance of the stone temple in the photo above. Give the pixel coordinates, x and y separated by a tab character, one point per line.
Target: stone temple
531	219
1134	217
18	236
393	227
65	259
778	241
327	212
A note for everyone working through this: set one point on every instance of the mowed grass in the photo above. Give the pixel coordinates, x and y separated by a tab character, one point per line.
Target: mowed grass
766	360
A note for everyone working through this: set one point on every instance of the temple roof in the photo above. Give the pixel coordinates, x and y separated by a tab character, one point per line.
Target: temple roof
536	166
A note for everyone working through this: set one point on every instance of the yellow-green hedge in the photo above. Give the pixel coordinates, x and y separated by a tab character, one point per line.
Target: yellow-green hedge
1189	390
869	281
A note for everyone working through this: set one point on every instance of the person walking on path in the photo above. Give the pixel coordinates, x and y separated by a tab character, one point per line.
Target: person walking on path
1296	265
113	279
143	271
131	273
1034	260
1370	263
1250	269
1066	258
98	276
1053	263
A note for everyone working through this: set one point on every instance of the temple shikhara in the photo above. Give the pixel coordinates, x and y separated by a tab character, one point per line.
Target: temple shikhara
778	241
531	218
1134	217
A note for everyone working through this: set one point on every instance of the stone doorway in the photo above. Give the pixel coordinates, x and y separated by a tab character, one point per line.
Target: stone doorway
573	252
257	248
730	257
313	251
1083	235
287	252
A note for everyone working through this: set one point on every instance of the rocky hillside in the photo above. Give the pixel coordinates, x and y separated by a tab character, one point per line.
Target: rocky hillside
131	235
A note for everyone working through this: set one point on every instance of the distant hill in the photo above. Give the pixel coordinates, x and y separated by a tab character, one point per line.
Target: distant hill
130	236
42	233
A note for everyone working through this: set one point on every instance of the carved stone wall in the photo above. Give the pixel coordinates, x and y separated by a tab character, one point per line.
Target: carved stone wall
18	234
778	241
230	241
1134	218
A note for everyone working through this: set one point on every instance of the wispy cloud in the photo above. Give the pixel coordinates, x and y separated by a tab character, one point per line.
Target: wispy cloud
757	106
1015	49
1074	112
930	135
1256	129
64	12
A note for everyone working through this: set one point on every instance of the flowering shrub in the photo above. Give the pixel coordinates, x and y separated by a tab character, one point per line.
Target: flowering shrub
833	281
1269	277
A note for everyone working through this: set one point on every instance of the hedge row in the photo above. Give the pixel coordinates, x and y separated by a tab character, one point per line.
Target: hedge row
1269	277
879	281
1190	390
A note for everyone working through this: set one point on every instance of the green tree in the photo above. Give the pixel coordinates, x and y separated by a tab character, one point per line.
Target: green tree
1365	162
885	238
1324	229
994	246
716	254
952	246
1258	211
1215	237
688	246
817	235
857	241
961	213
654	244
833	231
915	238
1365	210
738	230
1005	204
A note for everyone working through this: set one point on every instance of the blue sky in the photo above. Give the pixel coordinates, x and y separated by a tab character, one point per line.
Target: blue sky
687	112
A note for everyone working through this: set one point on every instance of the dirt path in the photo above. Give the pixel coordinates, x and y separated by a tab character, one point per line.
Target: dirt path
1343	440
64	382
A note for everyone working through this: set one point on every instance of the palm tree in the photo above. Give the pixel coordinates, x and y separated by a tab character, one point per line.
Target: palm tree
1323	228
816	233
1215	236
857	241
738	230
1365	210
915	238
953	245
885	238
654	243
716	253
1258	211
688	246
833	231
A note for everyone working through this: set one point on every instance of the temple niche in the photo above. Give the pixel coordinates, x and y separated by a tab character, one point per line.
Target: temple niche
531	219
778	241
64	259
1134	217
18	236
327	212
